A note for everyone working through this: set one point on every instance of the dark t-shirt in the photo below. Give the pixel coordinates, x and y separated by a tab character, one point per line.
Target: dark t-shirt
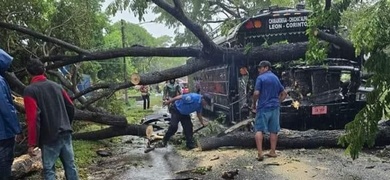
172	90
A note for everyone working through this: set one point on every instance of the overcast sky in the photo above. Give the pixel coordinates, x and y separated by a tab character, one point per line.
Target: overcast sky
155	29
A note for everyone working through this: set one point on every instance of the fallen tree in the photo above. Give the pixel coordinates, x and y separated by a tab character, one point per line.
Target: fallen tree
289	139
206	55
97	117
131	129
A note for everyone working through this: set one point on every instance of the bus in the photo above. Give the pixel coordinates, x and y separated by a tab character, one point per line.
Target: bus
319	96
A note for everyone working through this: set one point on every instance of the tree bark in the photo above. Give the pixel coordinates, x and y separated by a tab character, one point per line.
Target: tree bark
96	117
101	118
45	38
346	46
25	164
135	51
288	139
131	129
209	47
72	86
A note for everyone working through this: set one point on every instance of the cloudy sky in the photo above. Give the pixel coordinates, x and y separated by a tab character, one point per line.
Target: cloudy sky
153	28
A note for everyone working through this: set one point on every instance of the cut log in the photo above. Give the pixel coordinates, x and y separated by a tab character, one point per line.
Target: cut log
289	139
131	129
25	164
135	78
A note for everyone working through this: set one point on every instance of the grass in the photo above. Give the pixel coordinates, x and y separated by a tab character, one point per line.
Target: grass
134	113
85	153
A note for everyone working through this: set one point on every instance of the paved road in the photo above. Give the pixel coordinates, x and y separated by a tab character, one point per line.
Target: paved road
129	162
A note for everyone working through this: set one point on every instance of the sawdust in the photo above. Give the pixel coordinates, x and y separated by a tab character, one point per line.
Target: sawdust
214	157
284	165
293	168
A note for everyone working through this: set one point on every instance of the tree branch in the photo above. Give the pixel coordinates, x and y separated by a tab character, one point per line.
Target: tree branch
95	98
208	45
214	21
151	78
226	9
94	88
133	129
241	6
100	118
69	86
96	117
178	6
43	37
123	52
73	73
344	44
328	4
14	82
61	78
273	53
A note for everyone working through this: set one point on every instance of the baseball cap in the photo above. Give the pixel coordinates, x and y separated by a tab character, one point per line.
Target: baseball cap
264	64
207	97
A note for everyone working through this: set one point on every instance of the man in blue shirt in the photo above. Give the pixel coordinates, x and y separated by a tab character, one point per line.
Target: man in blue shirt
183	106
268	94
9	123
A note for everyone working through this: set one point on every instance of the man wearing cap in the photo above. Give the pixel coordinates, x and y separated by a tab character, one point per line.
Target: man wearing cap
182	107
268	94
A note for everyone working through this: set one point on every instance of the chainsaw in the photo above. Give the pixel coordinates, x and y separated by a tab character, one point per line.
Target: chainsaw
149	146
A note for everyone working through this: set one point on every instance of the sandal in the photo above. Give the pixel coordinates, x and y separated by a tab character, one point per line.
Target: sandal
271	155
260	157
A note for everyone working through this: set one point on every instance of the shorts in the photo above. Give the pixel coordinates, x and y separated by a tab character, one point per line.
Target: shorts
267	120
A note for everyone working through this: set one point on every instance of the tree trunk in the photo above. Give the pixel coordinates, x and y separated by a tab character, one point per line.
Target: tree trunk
25	164
131	129
288	139
101	118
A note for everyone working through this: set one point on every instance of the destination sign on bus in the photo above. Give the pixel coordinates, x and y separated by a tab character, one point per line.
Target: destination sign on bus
287	22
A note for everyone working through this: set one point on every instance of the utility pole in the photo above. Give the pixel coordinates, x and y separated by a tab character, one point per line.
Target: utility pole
124	59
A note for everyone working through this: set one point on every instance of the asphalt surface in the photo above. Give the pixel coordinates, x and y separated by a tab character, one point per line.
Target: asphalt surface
129	162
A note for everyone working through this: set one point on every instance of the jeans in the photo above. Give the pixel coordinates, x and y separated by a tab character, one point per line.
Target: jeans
185	120
146	99
63	149
6	157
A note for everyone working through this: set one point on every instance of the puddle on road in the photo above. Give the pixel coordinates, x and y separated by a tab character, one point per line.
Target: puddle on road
130	162
158	164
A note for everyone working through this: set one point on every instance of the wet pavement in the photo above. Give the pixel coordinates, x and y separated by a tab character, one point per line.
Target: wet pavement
158	164
130	162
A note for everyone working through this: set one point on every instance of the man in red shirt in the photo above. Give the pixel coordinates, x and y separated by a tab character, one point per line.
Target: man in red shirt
49	114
